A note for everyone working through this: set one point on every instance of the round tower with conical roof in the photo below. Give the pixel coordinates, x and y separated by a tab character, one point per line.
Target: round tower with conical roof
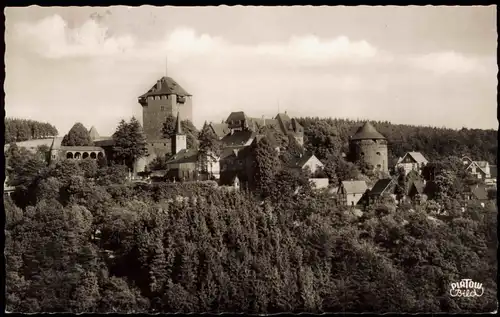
368	146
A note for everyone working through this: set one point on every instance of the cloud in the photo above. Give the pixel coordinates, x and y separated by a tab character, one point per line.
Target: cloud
52	38
447	63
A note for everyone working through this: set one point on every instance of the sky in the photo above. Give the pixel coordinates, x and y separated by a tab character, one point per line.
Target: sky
431	66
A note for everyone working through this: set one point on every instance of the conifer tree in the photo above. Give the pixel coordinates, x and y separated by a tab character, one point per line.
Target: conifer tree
209	147
266	161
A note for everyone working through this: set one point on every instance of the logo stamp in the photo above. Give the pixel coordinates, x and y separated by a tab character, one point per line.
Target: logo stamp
466	288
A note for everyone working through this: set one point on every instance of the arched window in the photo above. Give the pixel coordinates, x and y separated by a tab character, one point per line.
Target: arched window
78	155
100	155
93	155
85	155
69	155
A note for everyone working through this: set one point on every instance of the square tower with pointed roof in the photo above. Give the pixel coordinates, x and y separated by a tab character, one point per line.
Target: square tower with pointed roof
165	98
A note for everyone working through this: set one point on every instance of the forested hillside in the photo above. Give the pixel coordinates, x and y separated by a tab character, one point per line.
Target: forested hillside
79	239
326	135
17	130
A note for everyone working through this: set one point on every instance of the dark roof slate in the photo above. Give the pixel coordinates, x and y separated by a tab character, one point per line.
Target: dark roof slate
184	156
166	86
238	138
367	131
381	186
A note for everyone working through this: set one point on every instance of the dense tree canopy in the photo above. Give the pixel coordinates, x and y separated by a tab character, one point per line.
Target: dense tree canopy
195	248
326	135
78	135
17	130
79	238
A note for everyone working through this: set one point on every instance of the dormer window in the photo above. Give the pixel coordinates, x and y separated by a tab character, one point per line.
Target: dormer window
181	99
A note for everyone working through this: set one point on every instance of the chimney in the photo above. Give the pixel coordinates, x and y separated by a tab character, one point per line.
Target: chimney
158	85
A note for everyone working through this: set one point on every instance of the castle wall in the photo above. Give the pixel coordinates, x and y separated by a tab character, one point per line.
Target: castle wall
159	147
373	152
158	108
154	114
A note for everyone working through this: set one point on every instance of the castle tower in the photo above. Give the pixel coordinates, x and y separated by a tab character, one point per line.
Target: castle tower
179	142
166	97
369	146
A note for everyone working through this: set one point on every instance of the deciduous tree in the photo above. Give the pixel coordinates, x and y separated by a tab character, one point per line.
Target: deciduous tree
129	142
78	135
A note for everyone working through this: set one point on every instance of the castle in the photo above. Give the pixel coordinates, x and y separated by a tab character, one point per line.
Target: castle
236	134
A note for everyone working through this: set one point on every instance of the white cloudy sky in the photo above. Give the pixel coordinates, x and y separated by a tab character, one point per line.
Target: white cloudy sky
417	65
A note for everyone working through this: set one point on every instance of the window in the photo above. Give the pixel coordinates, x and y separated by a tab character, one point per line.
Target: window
164	144
162	108
378	153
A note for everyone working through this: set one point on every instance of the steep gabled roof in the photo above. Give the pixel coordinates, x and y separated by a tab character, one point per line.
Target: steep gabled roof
184	156
381	186
301	161
236	116
220	129
355	187
367	131
480	164
287	124
166	86
238	138
417	157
